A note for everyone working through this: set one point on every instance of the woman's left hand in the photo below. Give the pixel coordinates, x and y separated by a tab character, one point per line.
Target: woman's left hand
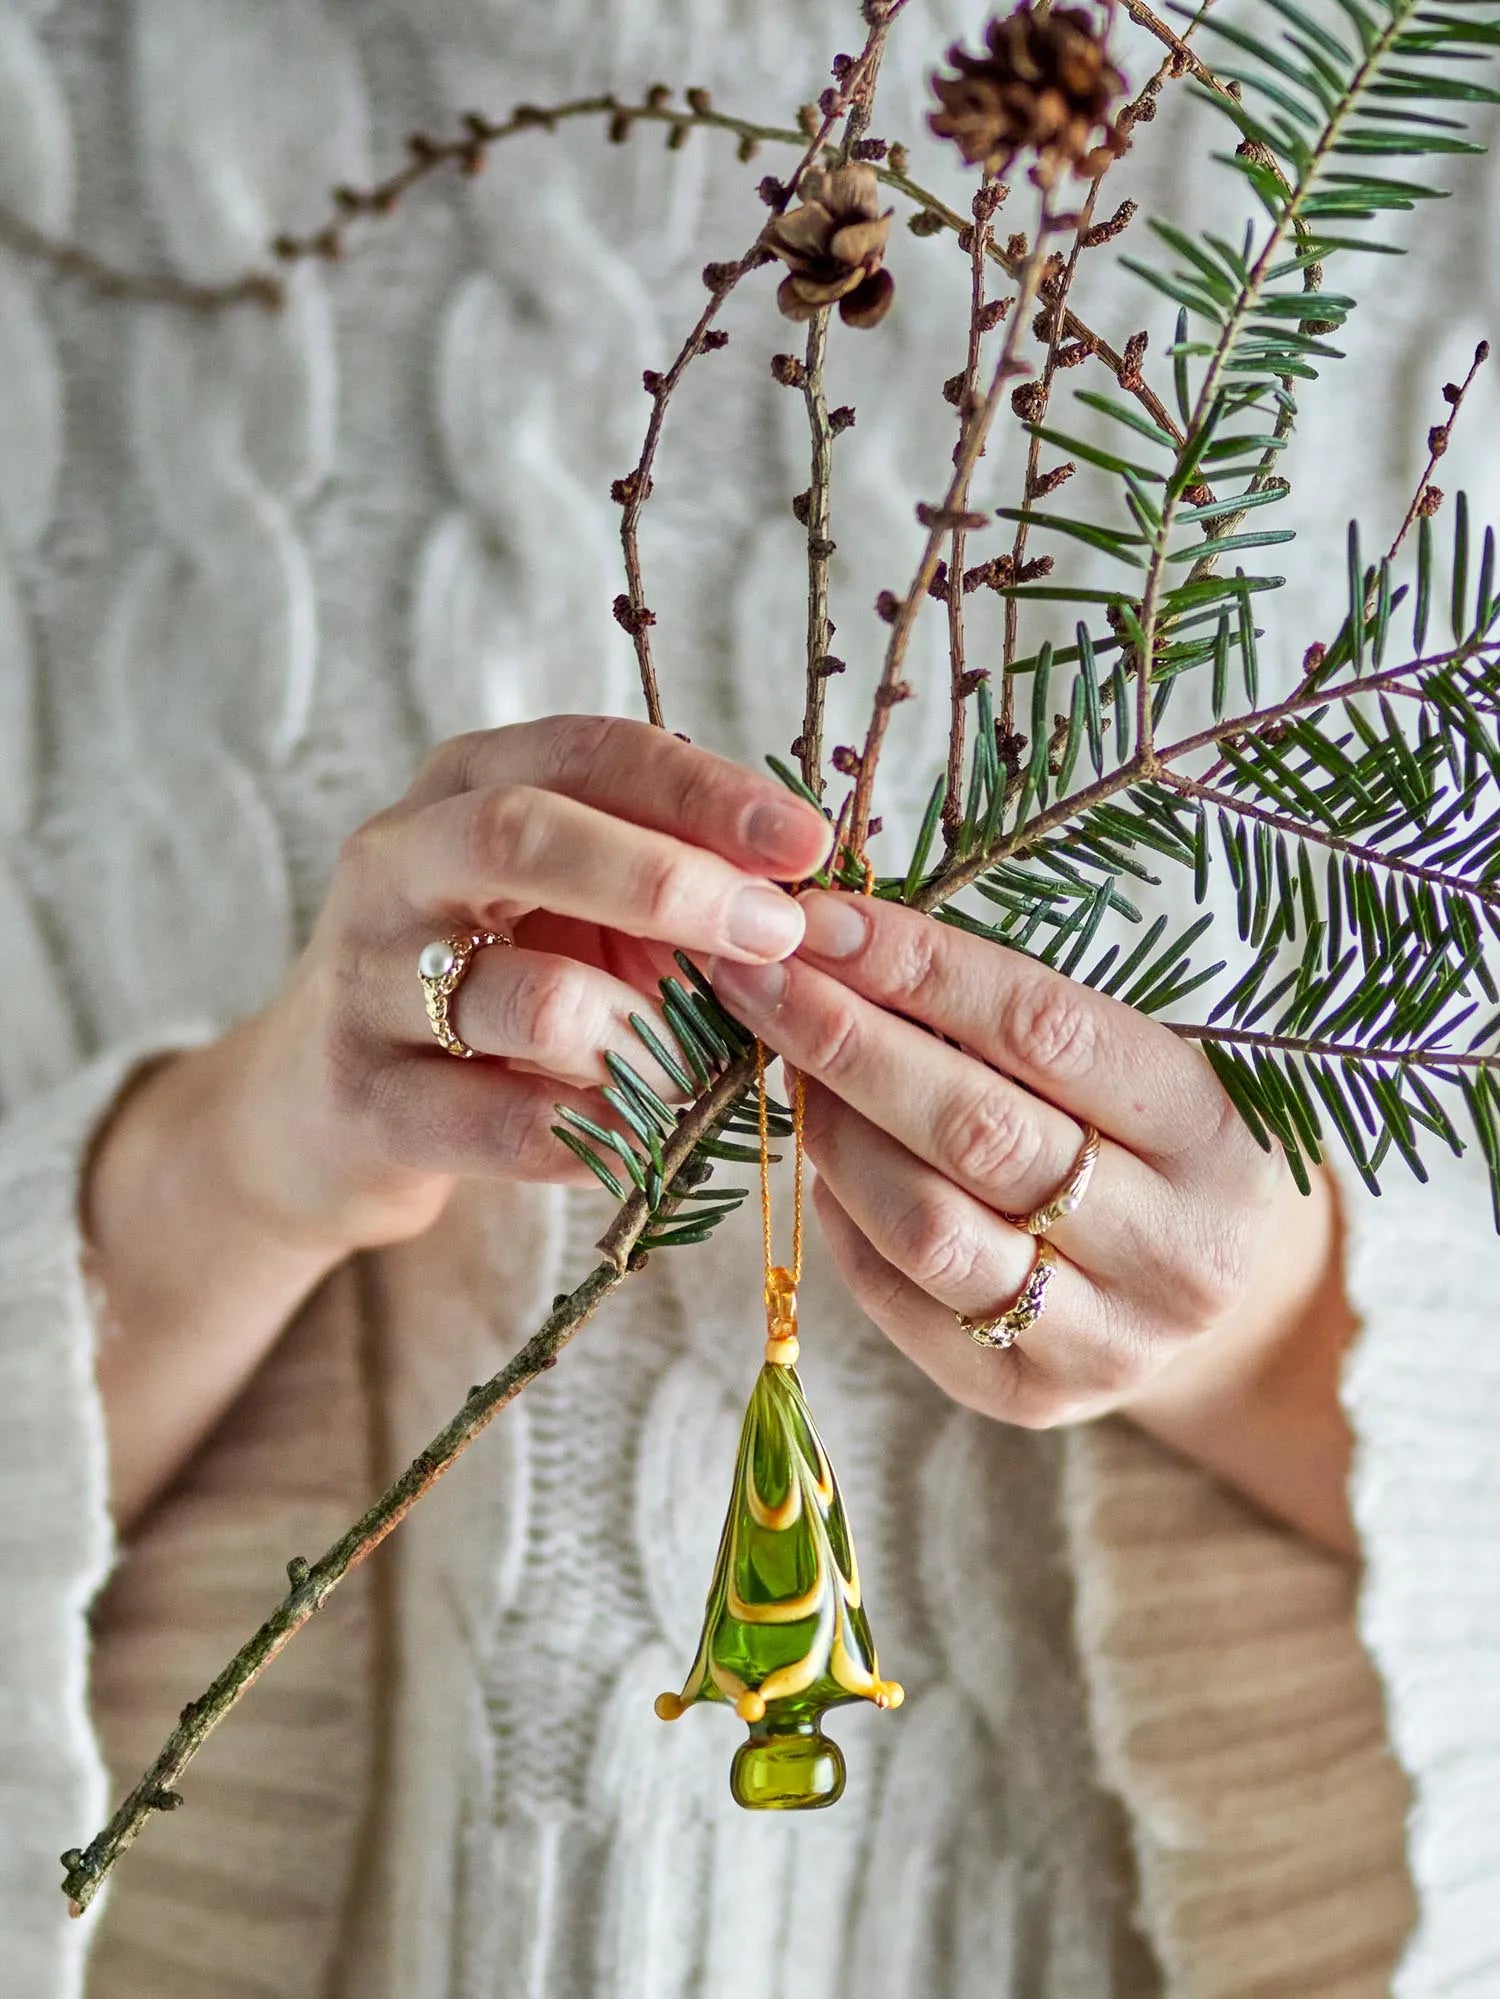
1190	1237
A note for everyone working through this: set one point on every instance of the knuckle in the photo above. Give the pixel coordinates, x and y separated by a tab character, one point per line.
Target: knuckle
573	749
989	1141
835	1045
541	1015
505	833
916	961
666	892
934	1245
1052	1029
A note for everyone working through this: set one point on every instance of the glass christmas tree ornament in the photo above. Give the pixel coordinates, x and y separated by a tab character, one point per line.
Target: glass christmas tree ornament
785	1635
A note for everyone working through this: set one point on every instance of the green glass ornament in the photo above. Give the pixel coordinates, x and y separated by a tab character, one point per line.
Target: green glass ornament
785	1635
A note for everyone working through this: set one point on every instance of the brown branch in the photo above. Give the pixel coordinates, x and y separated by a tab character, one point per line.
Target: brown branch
981	232
1335	843
892	690
1427	1055
71	260
814	508
851	98
1426	499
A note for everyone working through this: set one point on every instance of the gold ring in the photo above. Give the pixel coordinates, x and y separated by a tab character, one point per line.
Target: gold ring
441	967
1007	1327
1069	1197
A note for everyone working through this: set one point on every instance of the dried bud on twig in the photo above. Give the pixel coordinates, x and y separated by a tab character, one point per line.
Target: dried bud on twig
833	245
802	507
1314	657
1029	402
1431	500
1072	354
1437	440
715	340
1044	85
938	587
699	100
841	419
1050	481
898	159
1038	567
845	760
870	149
651	381
1106	232
991	315
950	518
894	695
888	606
630	619
1130	376
828	665
970	681
773	193
953	388
788	370
927	222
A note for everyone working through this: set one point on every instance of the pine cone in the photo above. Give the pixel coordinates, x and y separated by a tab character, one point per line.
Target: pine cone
833	246
1045	85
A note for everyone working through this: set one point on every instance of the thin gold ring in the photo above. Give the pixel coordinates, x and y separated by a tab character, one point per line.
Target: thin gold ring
441	966
1005	1328
1069	1197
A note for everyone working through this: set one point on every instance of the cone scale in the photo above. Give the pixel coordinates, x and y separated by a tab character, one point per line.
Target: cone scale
785	1635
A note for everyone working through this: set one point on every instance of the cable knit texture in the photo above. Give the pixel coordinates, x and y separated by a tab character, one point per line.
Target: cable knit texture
249	568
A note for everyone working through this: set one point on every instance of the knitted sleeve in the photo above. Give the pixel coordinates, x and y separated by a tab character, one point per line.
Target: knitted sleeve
56	1540
1310	1754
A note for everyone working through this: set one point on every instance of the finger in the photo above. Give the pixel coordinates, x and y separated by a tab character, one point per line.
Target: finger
1062	1371
1006	1147
1091	1055
438	1115
540	1011
633	771
484	856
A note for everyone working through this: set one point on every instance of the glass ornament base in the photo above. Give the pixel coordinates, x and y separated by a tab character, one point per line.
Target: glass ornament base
799	1771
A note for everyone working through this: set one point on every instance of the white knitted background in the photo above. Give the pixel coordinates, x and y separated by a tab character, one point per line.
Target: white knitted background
258	563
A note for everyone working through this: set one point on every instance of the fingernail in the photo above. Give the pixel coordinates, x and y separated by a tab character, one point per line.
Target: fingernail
778	833
764	922
750	988
836	926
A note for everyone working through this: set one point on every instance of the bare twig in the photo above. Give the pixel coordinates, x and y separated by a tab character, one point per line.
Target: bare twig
1426	499
814	508
850	98
940	520
965	395
71	260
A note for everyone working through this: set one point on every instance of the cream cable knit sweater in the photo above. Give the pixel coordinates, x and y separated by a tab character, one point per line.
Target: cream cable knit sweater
248	567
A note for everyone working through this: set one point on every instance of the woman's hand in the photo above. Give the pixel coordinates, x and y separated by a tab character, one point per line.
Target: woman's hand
230	1180
1195	1289
599	845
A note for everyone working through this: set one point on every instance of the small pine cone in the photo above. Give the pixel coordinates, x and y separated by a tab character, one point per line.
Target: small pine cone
833	245
1029	402
1044	85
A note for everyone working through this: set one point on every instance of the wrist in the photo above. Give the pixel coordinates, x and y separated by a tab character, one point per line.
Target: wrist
1256	1400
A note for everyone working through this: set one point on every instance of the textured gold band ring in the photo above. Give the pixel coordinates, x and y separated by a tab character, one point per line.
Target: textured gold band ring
1069	1197
441	968
1007	1327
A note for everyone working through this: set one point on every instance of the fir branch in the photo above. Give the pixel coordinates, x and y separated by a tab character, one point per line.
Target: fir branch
815	510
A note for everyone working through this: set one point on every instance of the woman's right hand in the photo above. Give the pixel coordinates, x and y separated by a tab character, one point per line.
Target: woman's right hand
599	845
232	1178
